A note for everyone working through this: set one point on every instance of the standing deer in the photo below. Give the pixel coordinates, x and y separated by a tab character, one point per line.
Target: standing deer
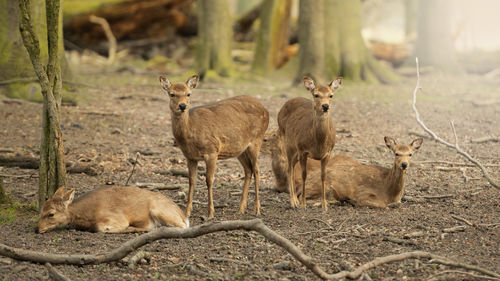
361	185
111	209
229	128
307	131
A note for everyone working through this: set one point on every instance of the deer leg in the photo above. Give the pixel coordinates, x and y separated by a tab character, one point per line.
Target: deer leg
247	167
292	160
303	165
324	163
253	155
210	162
193	171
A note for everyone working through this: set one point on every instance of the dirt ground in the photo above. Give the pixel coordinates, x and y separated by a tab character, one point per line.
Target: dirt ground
127	113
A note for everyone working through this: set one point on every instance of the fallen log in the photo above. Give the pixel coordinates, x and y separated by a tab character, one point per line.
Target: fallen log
25	162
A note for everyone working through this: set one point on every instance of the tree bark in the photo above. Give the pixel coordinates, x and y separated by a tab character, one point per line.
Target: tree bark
435	46
52	164
214	38
346	53
311	36
272	38
15	61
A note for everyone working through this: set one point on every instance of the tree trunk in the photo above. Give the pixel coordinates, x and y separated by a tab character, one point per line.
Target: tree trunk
435	46
52	164
311	37
273	36
214	38
346	53
15	62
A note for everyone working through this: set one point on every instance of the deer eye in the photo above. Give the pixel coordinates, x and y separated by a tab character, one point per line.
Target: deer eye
316	95
51	215
411	154
331	96
397	154
188	95
171	95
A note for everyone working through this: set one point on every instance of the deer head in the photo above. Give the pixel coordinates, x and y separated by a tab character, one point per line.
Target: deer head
402	152
322	95
55	210
179	93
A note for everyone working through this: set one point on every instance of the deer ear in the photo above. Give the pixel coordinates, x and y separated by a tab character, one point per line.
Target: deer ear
416	143
59	192
390	142
335	84
192	82
165	83
309	83
68	197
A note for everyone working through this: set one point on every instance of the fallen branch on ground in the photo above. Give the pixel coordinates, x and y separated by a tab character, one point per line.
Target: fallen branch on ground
440	140
158	186
55	274
196	231
34	163
485	139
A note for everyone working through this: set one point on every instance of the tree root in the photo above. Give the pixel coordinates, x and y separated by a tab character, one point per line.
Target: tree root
193	232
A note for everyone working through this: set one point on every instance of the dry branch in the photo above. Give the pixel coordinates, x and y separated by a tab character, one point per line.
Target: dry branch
440	140
109	35
34	163
55	274
193	232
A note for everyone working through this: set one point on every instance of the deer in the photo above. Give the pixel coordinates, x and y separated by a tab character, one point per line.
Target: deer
230	128
307	131
353	182
118	209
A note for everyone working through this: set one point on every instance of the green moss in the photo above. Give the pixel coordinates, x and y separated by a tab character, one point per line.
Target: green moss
72	8
7	215
33	92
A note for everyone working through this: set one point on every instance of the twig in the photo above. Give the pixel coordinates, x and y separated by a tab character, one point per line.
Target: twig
454	229
109	35
433	277
452	163
133	167
196	231
485	139
229	260
437	196
463	220
440	140
132	262
158	186
55	274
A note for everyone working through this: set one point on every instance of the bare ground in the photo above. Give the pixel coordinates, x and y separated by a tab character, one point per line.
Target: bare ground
128	113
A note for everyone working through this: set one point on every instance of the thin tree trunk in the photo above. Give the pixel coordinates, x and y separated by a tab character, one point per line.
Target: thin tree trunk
52	164
272	38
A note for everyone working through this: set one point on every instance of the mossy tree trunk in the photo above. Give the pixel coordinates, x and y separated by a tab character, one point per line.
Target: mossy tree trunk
52	164
272	38
311	36
338	44
15	62
214	38
435	46
346	53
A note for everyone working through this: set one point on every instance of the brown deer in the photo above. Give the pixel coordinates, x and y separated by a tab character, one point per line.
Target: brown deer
307	131
111	209
229	128
359	184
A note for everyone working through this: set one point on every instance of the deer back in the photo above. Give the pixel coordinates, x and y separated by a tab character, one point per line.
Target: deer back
226	127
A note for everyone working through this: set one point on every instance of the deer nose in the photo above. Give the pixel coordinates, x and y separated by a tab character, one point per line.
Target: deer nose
182	106
325	107
404	165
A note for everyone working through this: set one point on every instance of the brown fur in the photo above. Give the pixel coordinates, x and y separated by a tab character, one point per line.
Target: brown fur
362	185
229	128
111	209
307	131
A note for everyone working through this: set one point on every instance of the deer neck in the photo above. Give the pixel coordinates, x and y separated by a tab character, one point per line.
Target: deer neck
180	125
322	126
396	182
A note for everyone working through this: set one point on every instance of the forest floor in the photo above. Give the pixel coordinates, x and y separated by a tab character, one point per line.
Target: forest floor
128	113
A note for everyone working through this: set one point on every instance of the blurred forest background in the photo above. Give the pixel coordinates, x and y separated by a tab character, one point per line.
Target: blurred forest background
370	40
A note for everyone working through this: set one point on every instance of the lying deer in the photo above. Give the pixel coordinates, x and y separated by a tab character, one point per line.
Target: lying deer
111	209
229	128
362	185
307	131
